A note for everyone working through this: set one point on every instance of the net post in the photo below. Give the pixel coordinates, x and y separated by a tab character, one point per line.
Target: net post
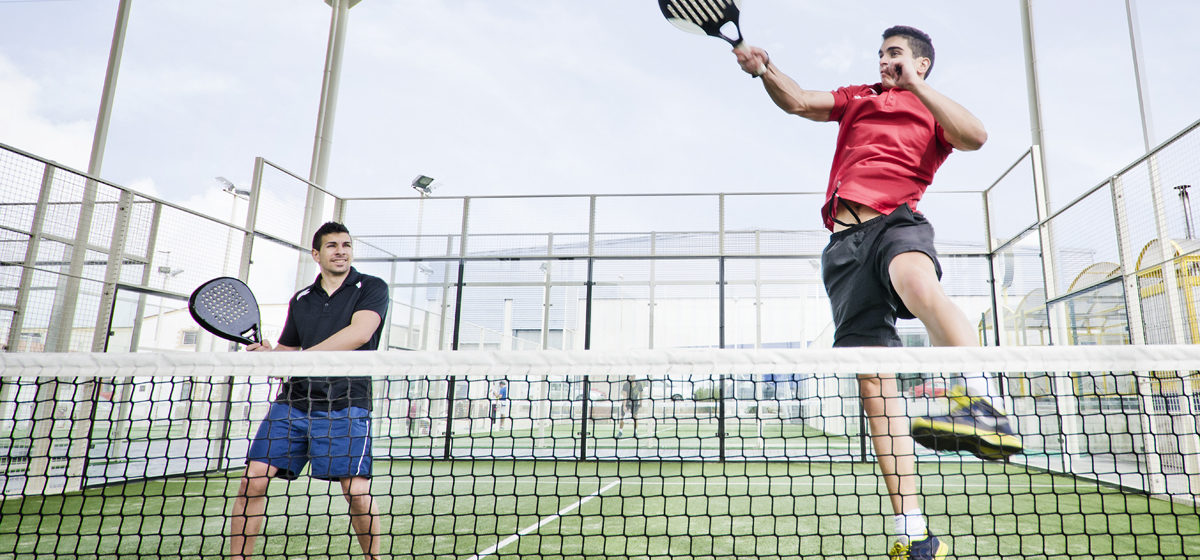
449	435
721	431
454	339
583	421
587	304
587	334
863	431
721	301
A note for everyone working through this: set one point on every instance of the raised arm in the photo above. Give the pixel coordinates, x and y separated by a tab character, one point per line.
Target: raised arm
784	91
963	130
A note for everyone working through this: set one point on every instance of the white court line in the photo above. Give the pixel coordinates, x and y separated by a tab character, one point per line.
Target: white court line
540	481
496	547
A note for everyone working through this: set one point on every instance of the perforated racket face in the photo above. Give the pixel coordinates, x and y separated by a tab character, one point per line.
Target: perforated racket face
226	307
704	17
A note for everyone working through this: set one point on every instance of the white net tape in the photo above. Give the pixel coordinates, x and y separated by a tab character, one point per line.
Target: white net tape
603	363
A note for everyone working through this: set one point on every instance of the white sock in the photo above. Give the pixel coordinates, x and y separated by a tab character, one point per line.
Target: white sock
911	526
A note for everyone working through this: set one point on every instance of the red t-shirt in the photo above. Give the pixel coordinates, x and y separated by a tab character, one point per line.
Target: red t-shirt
888	148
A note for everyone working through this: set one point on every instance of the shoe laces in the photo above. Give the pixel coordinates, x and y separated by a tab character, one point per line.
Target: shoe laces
899	551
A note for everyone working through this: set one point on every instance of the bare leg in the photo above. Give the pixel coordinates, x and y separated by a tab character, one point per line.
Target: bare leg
888	422
915	280
364	514
247	516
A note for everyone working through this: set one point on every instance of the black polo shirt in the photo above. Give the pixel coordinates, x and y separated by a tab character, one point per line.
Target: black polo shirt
314	316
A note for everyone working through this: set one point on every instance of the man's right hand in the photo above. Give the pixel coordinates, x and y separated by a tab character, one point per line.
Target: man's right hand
264	346
753	60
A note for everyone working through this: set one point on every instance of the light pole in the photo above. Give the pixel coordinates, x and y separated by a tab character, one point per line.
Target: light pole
424	186
323	141
229	187
168	273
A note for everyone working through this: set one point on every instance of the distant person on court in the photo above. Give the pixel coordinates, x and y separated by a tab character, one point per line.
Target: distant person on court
499	404
631	390
880	263
325	421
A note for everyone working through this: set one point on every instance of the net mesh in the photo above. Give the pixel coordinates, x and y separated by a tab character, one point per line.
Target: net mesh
642	454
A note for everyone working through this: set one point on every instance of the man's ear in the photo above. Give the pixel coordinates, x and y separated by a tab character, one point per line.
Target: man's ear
316	255
923	65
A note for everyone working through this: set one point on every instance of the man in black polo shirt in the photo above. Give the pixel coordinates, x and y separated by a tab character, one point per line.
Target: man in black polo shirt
325	421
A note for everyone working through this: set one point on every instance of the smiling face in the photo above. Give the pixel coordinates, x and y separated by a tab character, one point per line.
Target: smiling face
896	50
335	254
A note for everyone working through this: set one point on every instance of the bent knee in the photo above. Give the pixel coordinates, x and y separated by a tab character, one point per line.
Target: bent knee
914	278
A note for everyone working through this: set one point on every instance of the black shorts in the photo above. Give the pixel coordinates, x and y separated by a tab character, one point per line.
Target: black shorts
855	268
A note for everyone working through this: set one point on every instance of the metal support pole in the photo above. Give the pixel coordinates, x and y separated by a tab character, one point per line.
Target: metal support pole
721	302
653	289
1143	88
62	323
112	271
1031	75
31	255
251	220
323	141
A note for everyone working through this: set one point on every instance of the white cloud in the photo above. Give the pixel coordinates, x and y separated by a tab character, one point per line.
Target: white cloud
24	125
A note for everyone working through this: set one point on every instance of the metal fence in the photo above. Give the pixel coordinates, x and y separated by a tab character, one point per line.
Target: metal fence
91	266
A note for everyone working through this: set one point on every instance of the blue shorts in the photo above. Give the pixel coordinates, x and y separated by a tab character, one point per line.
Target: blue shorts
337	442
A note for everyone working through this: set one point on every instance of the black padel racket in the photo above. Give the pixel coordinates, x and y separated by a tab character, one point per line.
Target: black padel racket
706	17
226	307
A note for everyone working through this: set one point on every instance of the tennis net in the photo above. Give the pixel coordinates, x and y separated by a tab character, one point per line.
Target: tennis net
640	454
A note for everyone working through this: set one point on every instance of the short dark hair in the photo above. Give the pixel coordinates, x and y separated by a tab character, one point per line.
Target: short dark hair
918	41
326	229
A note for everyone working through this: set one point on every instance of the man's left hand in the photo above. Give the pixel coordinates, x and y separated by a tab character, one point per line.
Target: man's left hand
905	75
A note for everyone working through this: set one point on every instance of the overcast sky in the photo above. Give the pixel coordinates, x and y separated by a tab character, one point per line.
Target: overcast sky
562	96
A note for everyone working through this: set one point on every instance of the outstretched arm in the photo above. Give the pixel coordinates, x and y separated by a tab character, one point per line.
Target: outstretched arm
784	91
963	130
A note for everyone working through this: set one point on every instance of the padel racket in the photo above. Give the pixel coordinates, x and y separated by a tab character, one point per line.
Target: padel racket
226	307
706	17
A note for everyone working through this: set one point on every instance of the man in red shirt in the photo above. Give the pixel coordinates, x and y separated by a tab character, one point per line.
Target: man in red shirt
881	264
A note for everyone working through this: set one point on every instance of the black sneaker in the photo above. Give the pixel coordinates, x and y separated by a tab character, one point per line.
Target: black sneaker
972	425
928	548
